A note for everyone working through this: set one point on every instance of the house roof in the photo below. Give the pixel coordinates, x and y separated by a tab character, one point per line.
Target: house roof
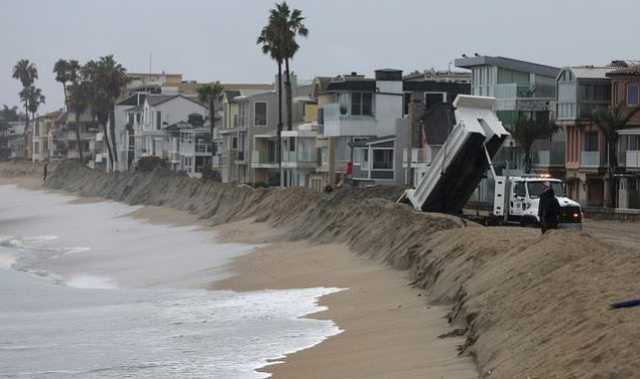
352	84
155	100
631	70
133	99
509	63
373	141
590	72
138	108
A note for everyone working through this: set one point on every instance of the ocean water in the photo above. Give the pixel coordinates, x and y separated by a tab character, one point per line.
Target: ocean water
87	292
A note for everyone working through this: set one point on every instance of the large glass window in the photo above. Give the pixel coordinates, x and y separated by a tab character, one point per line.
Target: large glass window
632	95
260	114
591	141
383	159
361	104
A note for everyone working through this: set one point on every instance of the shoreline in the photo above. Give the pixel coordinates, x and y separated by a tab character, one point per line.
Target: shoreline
528	305
389	330
379	314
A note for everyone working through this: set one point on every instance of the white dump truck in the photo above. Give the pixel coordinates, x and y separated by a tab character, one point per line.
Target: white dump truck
516	200
455	172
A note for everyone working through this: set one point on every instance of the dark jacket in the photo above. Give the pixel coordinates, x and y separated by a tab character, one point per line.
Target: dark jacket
549	208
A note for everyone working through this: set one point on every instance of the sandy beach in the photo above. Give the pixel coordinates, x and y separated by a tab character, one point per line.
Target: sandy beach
389	329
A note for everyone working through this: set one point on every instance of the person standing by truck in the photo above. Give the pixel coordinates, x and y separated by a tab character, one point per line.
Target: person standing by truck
548	209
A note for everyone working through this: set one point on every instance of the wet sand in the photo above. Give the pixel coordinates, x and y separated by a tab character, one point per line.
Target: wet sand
389	329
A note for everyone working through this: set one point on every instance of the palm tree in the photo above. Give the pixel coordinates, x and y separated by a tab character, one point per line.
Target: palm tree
106	80
527	130
289	25
610	121
209	94
79	101
272	46
27	73
68	73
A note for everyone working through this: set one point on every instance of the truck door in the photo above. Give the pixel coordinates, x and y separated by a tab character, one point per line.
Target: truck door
518	199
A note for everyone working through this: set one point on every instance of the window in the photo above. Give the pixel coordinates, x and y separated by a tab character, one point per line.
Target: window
234	143
260	114
632	95
591	141
356	103
292	144
158	120
383	159
519	189
433	98
361	104
138	116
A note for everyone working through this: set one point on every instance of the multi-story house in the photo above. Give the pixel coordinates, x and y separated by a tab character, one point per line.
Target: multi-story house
188	146
157	113
63	137
250	133
625	84
42	126
521	89
428	118
582	91
359	123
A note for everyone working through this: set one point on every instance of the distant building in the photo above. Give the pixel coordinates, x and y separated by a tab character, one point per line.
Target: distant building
625	84
582	91
521	89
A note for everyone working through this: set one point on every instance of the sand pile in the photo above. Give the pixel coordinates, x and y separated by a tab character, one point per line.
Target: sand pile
530	305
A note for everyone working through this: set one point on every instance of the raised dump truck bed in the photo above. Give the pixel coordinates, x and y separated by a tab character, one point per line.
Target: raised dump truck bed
457	169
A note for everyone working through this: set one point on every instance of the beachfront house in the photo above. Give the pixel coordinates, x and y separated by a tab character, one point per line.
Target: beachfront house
158	111
625	85
582	91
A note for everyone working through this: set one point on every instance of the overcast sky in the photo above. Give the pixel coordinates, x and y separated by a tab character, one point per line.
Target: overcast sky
208	40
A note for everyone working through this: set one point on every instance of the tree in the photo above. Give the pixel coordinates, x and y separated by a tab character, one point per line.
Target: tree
272	45
68	74
289	24
27	73
610	121
209	94
527	130
106	80
79	100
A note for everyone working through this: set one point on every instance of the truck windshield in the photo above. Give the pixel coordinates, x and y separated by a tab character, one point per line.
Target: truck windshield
536	188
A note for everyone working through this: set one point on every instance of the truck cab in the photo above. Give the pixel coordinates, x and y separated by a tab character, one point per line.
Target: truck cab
517	198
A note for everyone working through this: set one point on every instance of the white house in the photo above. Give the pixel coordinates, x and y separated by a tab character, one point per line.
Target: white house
149	120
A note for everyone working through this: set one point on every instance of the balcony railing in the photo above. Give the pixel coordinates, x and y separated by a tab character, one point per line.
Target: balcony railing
299	156
261	157
633	159
203	148
550	157
591	159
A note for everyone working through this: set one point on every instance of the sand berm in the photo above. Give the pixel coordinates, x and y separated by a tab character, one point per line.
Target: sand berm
530	306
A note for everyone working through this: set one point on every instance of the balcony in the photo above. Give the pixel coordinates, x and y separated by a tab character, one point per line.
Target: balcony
337	122
550	157
633	159
263	159
203	148
511	96
591	159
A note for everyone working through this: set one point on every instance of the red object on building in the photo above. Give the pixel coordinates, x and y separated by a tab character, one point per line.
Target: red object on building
349	168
